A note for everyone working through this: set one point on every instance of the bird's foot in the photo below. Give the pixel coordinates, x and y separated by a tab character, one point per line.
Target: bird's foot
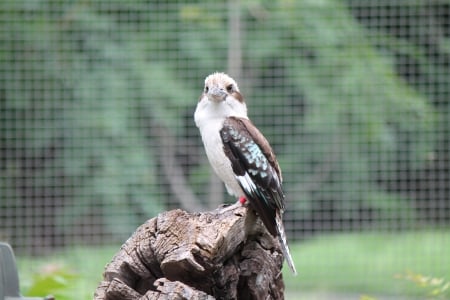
242	200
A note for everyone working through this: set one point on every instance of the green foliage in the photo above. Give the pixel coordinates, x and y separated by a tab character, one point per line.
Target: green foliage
369	264
359	117
379	256
366	297
433	288
71	274
53	279
83	82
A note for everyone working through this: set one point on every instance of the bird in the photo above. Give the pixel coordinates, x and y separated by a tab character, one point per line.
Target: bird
240	155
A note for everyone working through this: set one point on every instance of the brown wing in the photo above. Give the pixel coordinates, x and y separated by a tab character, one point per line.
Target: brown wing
264	145
256	168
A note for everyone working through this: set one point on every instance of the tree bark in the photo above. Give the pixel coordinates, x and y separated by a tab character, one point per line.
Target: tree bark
223	254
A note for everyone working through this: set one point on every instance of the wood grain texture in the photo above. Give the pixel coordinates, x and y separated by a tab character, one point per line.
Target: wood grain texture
223	254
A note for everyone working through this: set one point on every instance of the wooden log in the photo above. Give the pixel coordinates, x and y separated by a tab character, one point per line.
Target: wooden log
223	254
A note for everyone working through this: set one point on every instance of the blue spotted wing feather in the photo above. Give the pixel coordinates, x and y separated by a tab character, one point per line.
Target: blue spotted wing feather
255	167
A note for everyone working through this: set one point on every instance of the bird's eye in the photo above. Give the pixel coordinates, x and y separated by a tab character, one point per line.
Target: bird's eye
206	89
229	88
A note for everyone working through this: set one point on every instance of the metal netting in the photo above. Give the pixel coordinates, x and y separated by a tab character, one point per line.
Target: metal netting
97	100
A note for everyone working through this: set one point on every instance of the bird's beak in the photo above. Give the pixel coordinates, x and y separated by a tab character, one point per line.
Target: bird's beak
216	94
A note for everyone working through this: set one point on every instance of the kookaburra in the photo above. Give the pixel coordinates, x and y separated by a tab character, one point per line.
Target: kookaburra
240	155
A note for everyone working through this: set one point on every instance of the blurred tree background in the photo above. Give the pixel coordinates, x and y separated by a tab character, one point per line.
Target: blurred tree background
97	97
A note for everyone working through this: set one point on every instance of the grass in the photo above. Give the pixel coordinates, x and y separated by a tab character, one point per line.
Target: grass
72	274
369	263
353	264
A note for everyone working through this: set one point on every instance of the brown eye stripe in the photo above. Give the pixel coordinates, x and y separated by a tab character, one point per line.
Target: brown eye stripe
238	96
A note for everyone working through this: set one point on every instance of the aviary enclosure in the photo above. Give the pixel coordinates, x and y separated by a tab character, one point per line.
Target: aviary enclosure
97	132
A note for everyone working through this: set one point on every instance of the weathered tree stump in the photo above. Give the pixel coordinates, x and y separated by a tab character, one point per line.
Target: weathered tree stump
223	254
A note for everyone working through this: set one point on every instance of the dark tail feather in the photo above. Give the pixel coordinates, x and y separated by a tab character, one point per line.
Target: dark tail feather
283	242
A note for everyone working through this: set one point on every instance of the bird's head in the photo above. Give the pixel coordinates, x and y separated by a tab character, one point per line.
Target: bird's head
221	94
220	86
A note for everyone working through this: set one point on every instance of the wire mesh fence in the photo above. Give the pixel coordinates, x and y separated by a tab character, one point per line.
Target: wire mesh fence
97	101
